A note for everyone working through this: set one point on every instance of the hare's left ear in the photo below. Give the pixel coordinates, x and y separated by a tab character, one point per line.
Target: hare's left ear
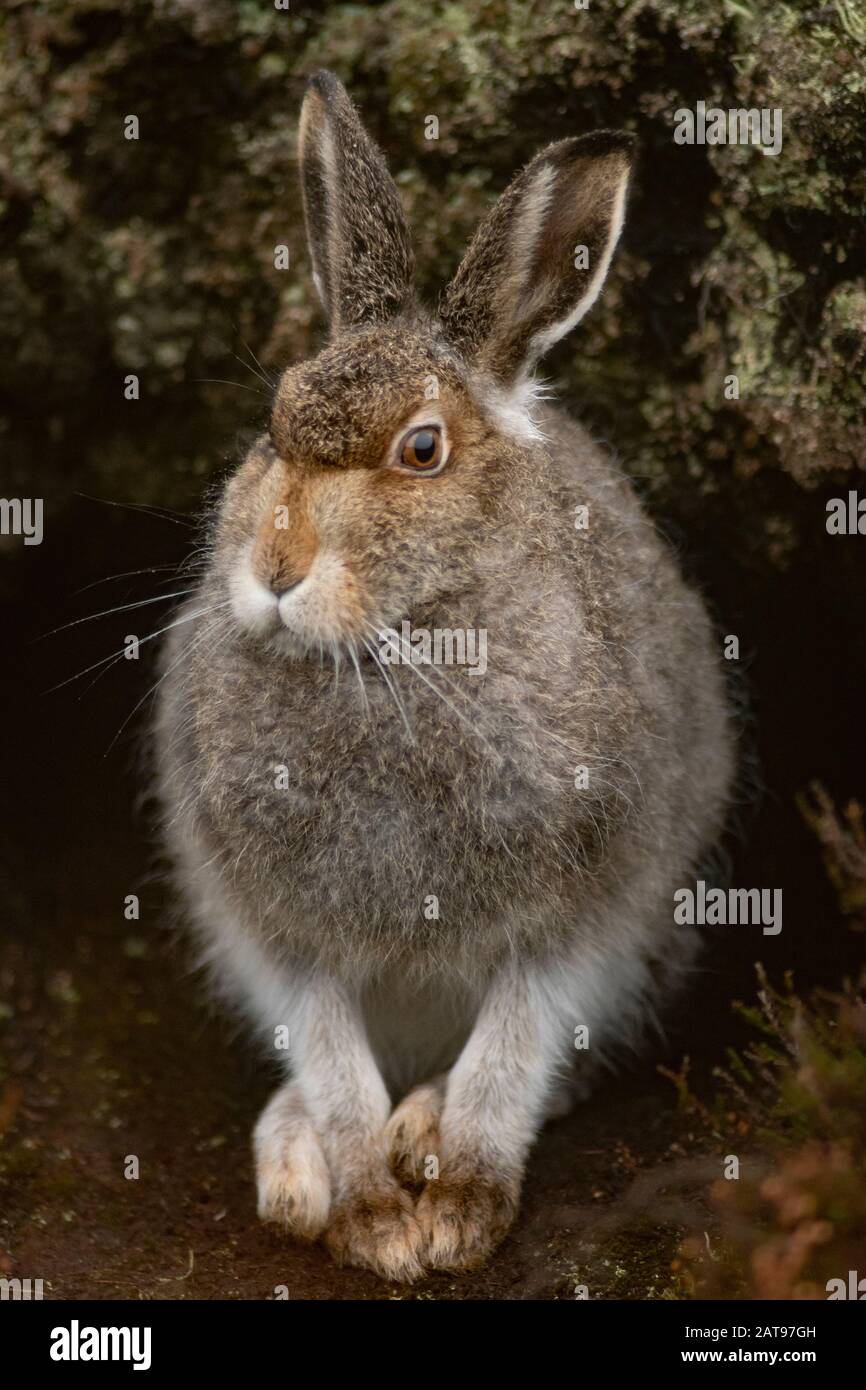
358	239
539	258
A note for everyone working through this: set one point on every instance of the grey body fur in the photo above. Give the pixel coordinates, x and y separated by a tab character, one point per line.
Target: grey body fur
599	656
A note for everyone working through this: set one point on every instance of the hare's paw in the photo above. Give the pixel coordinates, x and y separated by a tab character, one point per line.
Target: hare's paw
376	1229
463	1217
412	1134
294	1186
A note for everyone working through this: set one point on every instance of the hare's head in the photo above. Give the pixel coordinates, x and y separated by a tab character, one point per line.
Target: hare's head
391	453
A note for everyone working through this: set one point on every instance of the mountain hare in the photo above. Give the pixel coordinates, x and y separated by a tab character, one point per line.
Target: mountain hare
410	871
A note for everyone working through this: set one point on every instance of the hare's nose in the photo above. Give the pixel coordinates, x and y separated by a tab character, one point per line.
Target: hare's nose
284	557
279	587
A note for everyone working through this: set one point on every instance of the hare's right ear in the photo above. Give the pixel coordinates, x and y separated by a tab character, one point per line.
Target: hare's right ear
539	258
357	235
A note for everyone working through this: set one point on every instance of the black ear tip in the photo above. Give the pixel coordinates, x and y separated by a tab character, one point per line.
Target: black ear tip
325	83
606	142
624	140
600	144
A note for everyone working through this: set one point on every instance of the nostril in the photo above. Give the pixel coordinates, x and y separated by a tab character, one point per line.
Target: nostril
279	588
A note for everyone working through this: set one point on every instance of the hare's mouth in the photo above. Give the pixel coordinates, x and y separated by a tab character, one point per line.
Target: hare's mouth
324	609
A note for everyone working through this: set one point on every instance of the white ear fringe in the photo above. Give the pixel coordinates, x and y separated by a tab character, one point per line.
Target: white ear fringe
315	137
526	233
541	343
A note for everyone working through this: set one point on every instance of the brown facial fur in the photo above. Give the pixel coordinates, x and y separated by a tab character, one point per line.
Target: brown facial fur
403	538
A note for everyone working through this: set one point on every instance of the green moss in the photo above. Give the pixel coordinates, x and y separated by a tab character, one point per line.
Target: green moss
156	256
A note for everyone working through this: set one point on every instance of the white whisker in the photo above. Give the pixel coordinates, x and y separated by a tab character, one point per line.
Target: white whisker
393	689
190	617
354	658
196	642
124	574
413	666
122	608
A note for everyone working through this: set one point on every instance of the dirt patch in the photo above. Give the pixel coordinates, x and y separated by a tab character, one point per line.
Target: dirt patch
115	1056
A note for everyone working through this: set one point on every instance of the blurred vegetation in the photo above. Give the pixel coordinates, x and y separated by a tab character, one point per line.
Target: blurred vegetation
155	256
791	1107
795	1116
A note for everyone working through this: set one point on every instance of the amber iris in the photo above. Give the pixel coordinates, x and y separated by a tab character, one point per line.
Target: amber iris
422	449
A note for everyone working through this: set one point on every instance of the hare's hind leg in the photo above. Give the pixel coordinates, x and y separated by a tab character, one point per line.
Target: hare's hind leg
294	1186
504	1084
412	1133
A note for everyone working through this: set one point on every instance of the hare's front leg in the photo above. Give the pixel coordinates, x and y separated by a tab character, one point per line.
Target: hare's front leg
371	1221
499	1092
294	1185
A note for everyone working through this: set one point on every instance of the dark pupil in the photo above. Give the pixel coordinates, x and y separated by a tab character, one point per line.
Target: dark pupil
424	445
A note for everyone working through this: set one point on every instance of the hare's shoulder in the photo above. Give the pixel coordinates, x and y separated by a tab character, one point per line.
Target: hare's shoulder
586	467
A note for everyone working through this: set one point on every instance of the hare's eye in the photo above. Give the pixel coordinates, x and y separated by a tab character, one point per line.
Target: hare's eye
421	449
